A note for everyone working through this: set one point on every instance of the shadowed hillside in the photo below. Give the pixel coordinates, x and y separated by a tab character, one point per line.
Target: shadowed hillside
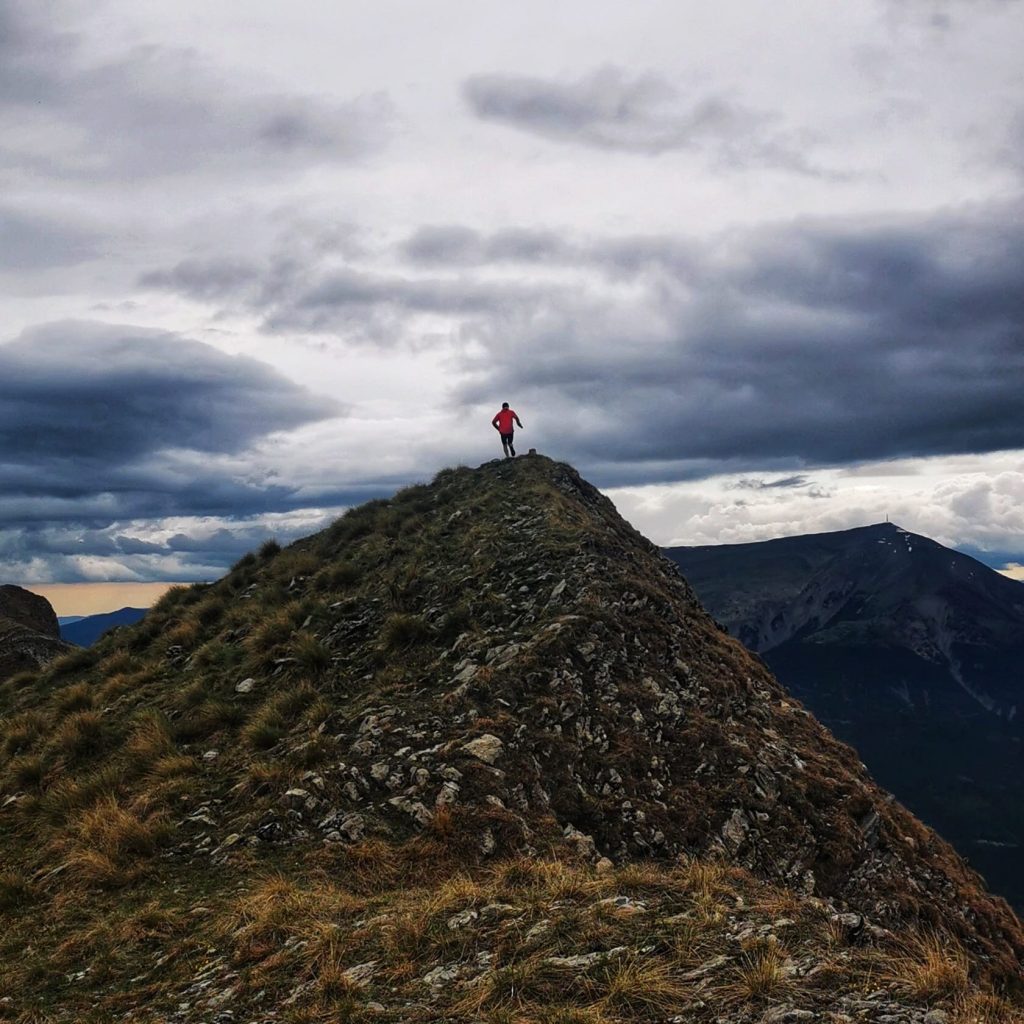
474	753
906	649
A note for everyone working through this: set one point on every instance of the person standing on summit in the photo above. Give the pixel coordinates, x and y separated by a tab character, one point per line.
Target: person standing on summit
502	423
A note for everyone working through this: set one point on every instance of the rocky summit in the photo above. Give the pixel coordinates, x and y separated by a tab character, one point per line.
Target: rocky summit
29	632
475	753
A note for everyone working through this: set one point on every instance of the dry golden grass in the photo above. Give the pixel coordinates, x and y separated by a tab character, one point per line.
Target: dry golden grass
278	908
392	904
73	793
23	772
186	633
171	766
313	657
293	563
402	631
213	654
276	715
515	985
93	868
20	680
759	976
210	717
372	866
119	832
706	879
928	967
73	661
276	628
984	1008
150	740
78	736
641	879
76	697
780	903
119	662
544	881
637	985
264	777
19	732
194	694
114	686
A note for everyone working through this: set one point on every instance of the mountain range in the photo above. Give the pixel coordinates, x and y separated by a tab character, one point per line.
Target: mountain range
906	649
87	629
474	753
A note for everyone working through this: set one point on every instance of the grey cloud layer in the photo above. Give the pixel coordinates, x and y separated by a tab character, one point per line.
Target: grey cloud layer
81	391
103	425
608	109
31	241
813	342
64	551
291	295
156	112
88	411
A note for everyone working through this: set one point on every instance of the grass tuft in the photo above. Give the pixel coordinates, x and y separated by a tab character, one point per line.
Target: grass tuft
79	736
313	656
928	967
15	890
402	631
760	975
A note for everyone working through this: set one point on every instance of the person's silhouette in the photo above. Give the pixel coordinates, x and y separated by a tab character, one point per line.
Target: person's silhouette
502	423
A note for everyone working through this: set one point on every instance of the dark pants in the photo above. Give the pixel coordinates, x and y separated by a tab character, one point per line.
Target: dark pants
506	444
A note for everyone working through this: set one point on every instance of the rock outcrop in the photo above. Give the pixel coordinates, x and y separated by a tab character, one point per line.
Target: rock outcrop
29	631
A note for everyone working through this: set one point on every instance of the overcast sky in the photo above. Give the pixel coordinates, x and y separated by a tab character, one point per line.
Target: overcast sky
755	269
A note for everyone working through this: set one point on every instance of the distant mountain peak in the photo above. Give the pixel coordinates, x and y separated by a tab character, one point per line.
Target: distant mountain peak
910	650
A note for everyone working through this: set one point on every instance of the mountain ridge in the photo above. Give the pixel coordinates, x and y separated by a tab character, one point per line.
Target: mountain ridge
87	629
492	667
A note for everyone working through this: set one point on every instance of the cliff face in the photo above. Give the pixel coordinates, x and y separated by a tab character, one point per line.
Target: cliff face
29	610
29	632
489	668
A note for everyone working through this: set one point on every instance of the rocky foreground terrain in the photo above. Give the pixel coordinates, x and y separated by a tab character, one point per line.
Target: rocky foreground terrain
472	754
29	632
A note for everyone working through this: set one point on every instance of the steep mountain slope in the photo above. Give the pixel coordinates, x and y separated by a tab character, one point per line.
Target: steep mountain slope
906	649
29	633
88	629
366	776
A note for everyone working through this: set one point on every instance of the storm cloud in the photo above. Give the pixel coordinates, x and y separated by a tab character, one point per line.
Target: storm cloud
93	391
610	109
804	343
88	411
807	344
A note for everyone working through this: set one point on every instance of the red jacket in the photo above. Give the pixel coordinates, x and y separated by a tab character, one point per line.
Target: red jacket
503	421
